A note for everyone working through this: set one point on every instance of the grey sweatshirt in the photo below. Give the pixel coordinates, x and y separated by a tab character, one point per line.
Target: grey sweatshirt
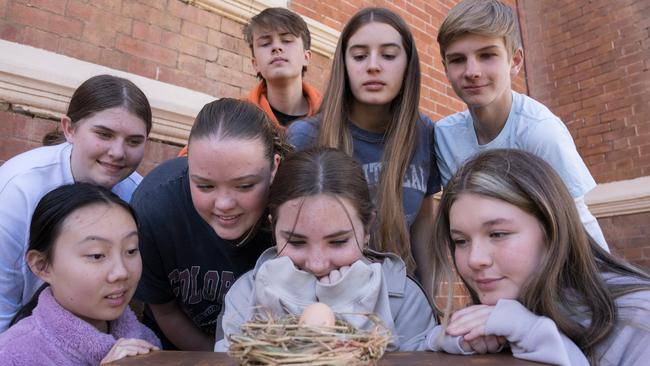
537	338
379	288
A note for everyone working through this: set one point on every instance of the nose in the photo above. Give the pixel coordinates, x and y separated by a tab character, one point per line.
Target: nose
480	256
276	46
472	69
119	271
224	202
374	64
317	263
116	150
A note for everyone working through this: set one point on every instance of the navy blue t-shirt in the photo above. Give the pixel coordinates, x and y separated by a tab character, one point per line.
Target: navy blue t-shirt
183	259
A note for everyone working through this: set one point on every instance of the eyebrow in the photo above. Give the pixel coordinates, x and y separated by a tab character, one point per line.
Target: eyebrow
94	238
294	234
483	49
485	224
383	45
237	179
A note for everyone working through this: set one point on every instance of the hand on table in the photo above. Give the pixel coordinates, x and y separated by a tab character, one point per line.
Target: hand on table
470	323
128	347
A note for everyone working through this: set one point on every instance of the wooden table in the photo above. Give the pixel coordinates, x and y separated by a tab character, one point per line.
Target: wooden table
176	358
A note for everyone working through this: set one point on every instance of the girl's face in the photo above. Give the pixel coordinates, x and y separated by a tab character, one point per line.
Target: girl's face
108	146
321	238
96	264
229	182
375	62
498	246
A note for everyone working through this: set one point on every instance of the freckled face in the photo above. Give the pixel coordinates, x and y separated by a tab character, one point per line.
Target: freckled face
323	238
498	246
229	183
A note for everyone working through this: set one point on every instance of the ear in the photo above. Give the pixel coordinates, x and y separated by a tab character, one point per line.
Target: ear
517	62
68	128
254	63
38	265
274	168
307	56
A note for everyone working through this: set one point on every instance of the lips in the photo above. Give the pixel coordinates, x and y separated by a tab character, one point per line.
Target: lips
487	283
227	220
117	298
111	167
373	85
277	60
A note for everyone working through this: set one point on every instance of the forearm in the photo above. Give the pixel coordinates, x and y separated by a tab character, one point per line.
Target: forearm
179	329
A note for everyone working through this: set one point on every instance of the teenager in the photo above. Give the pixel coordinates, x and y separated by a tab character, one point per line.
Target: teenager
200	220
535	277
83	244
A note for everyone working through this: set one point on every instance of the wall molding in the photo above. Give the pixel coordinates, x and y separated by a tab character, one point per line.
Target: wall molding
619	198
42	82
323	38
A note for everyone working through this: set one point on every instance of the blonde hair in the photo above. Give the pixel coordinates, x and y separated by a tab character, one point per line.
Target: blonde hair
489	18
392	233
573	261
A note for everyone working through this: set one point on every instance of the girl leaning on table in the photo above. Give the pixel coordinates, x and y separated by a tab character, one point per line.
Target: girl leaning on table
83	244
320	213
537	280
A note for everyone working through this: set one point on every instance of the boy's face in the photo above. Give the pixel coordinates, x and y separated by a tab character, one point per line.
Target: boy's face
278	54
480	70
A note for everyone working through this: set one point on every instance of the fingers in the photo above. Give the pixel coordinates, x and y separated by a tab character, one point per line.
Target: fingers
478	345
128	347
335	275
469	321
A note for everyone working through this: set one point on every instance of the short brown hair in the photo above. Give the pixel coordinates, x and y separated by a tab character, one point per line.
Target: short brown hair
489	18
278	19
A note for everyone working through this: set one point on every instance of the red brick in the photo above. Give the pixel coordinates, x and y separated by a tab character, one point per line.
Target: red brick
230	60
146	51
194	14
3	8
189	46
194	31
147	32
9	32
231	27
80	50
40	39
191	64
45	20
57	6
147	14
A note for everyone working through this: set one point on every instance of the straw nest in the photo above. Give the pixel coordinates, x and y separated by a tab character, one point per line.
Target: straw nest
268	341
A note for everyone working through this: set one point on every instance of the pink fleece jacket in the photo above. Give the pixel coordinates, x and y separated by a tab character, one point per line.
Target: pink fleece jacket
54	336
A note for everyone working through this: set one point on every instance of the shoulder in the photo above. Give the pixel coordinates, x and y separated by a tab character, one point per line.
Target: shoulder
165	176
38	168
453	121
304	132
23	341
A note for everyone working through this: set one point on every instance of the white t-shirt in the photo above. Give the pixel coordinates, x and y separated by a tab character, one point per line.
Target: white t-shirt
530	127
24	180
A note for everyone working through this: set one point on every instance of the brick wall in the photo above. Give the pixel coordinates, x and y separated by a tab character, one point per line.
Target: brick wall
589	61
165	40
629	237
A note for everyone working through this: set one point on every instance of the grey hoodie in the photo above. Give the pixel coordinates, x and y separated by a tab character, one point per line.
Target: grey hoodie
381	288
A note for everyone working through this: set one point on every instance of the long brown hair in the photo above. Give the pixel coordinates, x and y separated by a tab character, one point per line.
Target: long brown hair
392	232
573	261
